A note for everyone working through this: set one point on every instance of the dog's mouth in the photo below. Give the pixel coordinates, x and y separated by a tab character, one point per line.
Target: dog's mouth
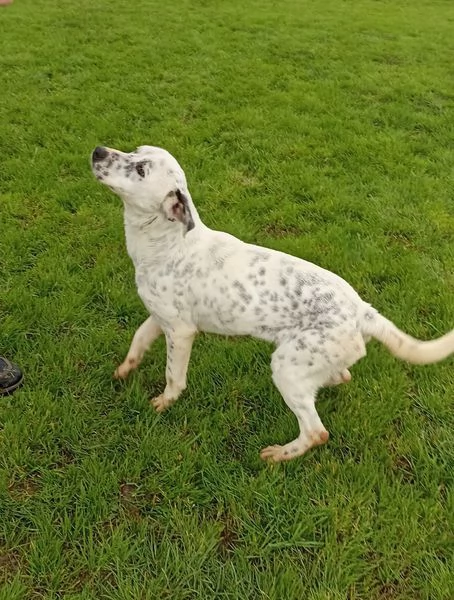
99	171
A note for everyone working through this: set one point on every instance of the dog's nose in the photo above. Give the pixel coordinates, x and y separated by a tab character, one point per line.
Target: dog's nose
99	153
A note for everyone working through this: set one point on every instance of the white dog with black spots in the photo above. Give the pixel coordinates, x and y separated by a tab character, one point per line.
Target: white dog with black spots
192	278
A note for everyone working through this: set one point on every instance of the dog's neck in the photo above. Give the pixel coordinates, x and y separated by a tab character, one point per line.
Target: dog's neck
153	240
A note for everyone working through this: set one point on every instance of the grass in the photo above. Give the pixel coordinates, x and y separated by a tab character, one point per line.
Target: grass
318	127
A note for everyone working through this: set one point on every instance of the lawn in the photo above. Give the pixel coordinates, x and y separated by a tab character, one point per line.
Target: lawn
322	128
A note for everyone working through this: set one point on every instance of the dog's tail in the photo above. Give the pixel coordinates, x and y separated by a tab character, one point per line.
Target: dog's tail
404	346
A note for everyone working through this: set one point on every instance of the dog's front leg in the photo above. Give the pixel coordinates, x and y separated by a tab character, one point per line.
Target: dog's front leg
147	333
179	344
142	340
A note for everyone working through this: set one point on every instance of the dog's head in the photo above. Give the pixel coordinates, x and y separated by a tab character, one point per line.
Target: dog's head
149	181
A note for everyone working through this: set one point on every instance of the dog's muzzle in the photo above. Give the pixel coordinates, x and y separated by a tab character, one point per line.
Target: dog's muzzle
99	153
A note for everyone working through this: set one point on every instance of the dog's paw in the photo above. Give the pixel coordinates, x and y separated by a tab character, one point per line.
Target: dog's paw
274	454
296	448
160	403
346	376
125	368
120	372
342	377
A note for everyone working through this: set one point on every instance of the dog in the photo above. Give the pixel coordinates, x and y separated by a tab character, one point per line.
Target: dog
192	278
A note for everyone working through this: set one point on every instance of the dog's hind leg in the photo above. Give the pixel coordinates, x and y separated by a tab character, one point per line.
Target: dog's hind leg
299	391
147	333
300	366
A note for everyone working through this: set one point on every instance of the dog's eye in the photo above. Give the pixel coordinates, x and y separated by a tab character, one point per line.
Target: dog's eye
140	170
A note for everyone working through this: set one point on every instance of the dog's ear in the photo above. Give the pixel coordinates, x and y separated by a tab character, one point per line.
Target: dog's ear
176	208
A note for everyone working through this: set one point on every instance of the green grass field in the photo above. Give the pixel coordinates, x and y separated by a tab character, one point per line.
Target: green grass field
323	128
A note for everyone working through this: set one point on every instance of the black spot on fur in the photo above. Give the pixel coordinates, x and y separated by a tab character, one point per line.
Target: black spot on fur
242	291
300	345
140	169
